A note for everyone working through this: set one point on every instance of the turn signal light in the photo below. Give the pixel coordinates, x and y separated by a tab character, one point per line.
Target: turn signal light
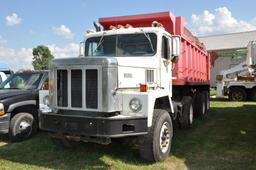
2	113
143	88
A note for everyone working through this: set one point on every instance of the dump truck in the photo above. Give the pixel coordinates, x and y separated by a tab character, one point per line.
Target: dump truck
137	76
239	82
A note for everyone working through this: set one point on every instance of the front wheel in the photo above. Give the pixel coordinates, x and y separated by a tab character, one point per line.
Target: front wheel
156	145
22	127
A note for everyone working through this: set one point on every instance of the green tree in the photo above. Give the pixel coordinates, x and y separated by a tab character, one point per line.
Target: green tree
41	57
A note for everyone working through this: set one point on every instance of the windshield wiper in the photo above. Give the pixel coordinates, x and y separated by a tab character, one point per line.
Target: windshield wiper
100	42
149	40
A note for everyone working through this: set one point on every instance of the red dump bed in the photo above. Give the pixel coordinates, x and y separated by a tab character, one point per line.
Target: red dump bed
193	67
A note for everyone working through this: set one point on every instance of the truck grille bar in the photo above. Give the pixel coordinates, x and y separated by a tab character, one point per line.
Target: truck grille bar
92	89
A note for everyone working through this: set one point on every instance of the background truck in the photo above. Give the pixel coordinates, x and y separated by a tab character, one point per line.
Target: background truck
239	82
19	103
5	69
135	79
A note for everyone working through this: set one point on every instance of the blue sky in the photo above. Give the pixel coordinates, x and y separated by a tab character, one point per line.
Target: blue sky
24	24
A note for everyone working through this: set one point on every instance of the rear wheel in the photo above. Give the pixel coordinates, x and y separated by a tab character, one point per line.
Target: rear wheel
253	95
187	117
201	105
22	126
237	94
156	145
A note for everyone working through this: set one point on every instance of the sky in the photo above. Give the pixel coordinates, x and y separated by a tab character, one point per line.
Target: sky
60	25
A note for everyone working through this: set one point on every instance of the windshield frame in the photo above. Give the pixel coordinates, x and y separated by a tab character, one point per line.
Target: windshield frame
115	54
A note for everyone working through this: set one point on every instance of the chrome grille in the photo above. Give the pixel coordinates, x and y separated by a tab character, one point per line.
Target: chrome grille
77	88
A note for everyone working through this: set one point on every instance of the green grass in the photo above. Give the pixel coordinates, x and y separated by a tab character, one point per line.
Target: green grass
225	139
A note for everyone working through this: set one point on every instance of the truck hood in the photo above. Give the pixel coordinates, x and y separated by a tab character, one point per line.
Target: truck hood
7	93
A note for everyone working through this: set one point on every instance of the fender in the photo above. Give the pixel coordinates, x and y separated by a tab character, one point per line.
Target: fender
19	104
148	100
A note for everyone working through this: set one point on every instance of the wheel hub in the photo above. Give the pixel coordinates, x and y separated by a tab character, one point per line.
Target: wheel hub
25	128
164	137
191	114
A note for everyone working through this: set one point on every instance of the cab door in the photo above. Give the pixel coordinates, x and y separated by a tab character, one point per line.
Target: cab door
165	64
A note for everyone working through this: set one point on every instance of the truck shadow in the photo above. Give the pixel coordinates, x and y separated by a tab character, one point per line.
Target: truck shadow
41	152
222	140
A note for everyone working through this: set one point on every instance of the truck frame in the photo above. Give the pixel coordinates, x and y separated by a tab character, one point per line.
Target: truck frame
135	79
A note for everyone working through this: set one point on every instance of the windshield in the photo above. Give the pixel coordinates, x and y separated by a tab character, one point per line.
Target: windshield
123	45
22	81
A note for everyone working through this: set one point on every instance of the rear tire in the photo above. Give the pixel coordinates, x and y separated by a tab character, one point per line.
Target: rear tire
22	127
237	94
253	95
187	117
207	100
201	106
156	145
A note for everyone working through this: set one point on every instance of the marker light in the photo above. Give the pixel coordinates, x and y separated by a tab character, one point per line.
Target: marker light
128	26
156	24
112	27
120	26
143	87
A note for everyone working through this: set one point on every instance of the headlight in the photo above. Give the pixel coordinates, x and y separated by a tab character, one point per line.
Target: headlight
135	105
2	109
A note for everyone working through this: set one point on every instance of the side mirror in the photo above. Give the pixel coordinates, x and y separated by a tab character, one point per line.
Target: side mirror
175	48
81	48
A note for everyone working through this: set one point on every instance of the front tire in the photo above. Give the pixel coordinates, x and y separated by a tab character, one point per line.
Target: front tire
156	145
22	127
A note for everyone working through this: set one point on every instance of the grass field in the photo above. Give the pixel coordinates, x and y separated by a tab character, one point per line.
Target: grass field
225	139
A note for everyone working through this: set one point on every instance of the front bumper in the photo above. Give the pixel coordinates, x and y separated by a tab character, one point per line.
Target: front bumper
108	127
4	123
